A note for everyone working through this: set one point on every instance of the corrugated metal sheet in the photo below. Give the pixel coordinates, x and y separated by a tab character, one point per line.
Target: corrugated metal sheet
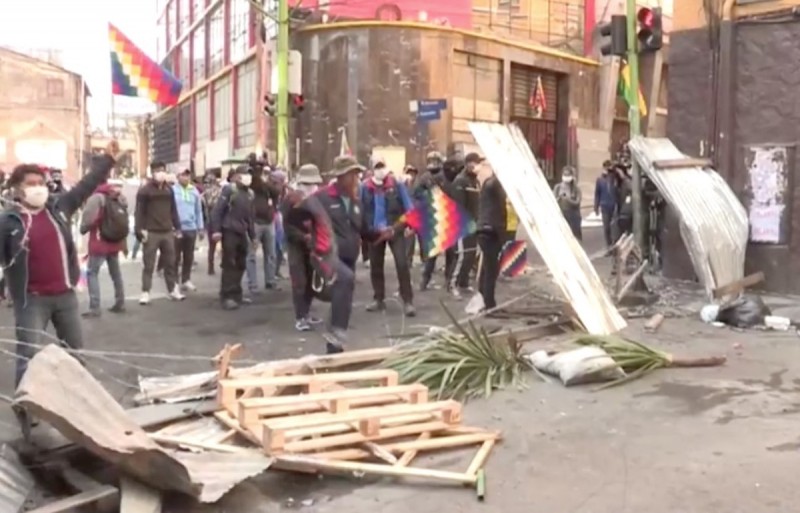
16	482
714	224
59	390
217	473
199	430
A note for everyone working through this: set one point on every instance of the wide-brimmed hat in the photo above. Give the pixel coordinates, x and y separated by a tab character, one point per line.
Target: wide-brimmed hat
345	164
309	174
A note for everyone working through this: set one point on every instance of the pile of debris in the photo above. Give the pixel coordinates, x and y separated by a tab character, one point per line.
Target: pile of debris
296	415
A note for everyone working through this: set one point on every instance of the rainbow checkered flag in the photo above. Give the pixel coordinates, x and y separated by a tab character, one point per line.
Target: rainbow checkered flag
82	280
513	258
439	221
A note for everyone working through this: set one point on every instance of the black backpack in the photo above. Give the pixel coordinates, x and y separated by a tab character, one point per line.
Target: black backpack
115	223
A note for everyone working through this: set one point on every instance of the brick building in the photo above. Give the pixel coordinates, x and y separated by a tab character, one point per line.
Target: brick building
42	114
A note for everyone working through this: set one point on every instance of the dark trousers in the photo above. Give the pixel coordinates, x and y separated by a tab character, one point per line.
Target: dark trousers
32	318
574	220
411	246
464	254
235	247
607	214
160	244
430	266
212	250
377	255
342	294
184	255
490	243
300	273
93	279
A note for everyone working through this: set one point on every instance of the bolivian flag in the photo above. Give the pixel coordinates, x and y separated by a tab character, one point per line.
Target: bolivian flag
625	89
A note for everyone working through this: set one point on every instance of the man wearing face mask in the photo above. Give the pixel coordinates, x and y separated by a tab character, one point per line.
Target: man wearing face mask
266	195
385	201
340	201
568	195
39	257
309	242
466	191
156	225
233	223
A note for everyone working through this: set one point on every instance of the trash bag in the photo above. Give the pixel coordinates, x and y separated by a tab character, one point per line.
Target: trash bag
745	312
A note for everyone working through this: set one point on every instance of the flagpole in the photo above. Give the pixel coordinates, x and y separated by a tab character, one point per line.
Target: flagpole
82	141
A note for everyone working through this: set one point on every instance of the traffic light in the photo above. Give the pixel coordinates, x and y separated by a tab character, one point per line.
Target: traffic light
269	105
650	33
298	103
617	33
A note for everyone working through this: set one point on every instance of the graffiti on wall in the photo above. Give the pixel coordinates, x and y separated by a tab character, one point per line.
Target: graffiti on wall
768	191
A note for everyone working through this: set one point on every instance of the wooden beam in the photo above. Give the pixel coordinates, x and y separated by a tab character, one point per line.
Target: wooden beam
739	285
665	165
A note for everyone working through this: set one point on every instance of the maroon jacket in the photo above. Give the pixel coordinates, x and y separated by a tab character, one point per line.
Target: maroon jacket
90	223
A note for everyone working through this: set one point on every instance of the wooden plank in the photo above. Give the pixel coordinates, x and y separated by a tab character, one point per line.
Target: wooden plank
138	498
654	322
410	454
423	443
532	198
275	432
739	285
227	419
179	441
310	464
631	281
346	427
250	410
664	165
325	442
78	500
480	458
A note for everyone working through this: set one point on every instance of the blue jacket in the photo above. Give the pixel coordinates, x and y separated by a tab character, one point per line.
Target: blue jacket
605	193
190	207
384	204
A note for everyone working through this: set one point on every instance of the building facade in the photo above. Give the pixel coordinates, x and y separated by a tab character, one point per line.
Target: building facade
42	114
731	99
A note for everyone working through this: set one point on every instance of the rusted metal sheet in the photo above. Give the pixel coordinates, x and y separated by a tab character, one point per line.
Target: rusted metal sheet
16	482
59	390
714	224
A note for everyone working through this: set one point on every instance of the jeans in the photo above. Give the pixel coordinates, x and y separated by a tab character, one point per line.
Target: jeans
235	247
34	315
608	220
93	279
184	255
265	237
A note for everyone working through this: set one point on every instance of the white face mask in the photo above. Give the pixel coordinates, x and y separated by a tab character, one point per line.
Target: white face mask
306	189
246	180
566	179
159	176
380	174
35	196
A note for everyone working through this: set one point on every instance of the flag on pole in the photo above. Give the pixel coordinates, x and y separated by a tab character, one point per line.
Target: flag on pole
625	89
513	258
344	147
134	74
439	221
537	100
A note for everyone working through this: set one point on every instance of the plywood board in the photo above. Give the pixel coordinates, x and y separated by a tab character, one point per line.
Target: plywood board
526	186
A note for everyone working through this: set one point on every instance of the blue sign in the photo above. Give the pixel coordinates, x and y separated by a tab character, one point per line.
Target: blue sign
429	115
430	110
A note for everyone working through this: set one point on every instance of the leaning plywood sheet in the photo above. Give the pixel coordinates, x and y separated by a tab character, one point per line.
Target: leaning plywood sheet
714	223
530	194
59	390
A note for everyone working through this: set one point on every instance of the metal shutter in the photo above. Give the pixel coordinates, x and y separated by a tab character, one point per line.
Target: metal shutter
523	81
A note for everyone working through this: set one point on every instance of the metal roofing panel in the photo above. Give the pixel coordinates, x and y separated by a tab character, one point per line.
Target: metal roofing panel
16	482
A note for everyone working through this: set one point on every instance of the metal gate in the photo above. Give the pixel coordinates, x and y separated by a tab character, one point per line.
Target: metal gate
539	128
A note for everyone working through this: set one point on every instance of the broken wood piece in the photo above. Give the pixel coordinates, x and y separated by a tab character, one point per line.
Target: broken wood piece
337	401
480	457
227	419
196	444
424	443
736	287
632	281
81	499
410	454
223	359
311	464
654	323
667	164
136	497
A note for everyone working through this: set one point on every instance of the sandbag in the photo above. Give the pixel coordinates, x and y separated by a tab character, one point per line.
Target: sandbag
589	364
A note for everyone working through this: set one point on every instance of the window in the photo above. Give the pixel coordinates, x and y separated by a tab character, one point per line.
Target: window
172	26
183	12
198	7
199	54
216	41
240	19
222	108
246	107
202	117
55	88
508	5
185	120
185	64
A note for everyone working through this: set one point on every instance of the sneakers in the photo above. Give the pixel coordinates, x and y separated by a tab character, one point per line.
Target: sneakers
456	293
313	320
188	286
91	314
376	306
176	294
409	310
246	300
118	308
230	304
273	286
302	325
334	341
144	299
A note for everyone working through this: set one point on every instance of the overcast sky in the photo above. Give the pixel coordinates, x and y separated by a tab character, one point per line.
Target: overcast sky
79	28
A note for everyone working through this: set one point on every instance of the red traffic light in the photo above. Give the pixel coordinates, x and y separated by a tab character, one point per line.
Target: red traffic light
646	17
298	102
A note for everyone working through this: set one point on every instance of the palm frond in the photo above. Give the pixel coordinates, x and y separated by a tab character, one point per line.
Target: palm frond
633	357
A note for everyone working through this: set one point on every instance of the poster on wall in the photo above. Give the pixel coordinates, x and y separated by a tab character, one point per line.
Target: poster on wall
769	194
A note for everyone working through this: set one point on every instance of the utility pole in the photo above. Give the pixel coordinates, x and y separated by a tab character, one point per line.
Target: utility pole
634	121
282	120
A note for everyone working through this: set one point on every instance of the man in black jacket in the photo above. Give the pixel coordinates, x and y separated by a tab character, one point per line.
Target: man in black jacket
465	192
266	196
492	220
39	257
432	177
233	223
340	201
